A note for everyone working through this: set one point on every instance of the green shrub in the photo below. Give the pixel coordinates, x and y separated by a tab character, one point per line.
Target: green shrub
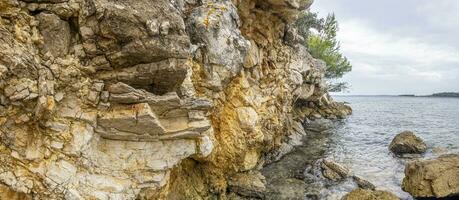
322	44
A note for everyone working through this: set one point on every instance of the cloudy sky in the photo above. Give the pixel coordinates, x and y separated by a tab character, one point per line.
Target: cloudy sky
398	46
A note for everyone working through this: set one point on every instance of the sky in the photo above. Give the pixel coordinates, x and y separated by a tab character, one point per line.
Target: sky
398	46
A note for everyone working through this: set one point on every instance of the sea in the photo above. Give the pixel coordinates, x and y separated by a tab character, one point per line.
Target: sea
361	141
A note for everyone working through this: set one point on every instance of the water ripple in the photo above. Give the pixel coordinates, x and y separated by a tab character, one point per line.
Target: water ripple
362	141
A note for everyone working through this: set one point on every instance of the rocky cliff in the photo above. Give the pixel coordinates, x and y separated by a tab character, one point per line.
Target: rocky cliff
162	99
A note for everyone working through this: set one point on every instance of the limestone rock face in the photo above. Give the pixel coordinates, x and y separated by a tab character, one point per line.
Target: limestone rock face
56	34
407	142
433	178
362	194
7	193
318	125
106	99
131	33
221	48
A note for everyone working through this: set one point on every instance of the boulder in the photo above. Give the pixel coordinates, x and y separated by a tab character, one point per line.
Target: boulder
433	178
363	194
407	142
333	170
248	184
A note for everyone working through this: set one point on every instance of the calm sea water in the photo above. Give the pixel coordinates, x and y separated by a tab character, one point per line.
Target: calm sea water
361	141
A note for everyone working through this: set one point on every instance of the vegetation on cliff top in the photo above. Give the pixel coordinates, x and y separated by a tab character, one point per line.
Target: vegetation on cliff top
320	39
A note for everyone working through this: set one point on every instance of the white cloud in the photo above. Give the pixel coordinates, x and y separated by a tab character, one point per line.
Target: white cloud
358	38
382	56
432	76
440	13
377	53
411	49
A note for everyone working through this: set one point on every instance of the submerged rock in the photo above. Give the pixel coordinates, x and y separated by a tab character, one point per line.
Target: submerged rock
433	178
362	194
287	189
407	142
362	183
439	150
298	171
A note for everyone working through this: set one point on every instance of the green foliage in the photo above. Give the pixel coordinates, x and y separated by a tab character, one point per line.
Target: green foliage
322	44
328	51
306	21
338	87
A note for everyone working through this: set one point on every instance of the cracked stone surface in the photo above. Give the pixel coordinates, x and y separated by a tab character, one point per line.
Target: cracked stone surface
105	99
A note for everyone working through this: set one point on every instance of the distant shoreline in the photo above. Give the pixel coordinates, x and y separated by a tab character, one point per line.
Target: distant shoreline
403	95
442	94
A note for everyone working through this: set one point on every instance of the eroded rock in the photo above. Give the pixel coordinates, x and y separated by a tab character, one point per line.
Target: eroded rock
318	125
407	143
248	118
433	178
215	28
126	35
138	120
333	170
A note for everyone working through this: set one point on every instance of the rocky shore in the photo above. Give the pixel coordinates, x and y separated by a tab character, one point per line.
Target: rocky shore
103	99
433	178
304	173
174	99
